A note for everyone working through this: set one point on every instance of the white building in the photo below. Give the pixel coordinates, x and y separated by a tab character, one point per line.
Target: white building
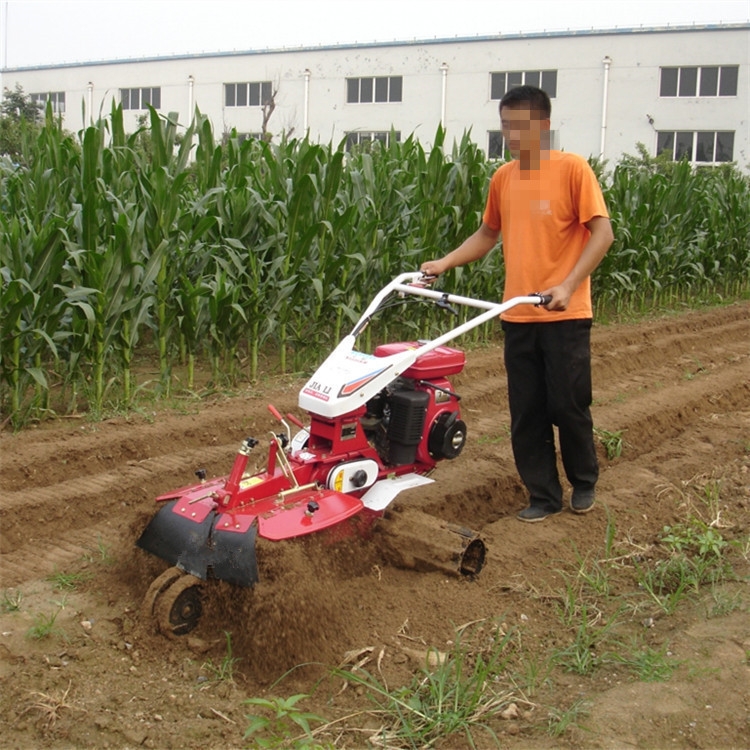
683	89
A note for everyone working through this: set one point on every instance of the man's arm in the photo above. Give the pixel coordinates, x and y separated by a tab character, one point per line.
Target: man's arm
475	247
595	249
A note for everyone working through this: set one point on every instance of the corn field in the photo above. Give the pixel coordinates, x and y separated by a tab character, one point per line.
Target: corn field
131	262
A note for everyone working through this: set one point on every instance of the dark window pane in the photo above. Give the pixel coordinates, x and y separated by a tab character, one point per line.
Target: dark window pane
135	98
352	90
397	136
515	79
266	92
242	95
380	136
688	81
668	82
549	82
724	146
125	98
532	78
497	85
229	95
351	139
145	97
253	94
61	102
704	147
381	89
684	146
396	89
365	90
495	148
728	80
665	142
709	81
156	98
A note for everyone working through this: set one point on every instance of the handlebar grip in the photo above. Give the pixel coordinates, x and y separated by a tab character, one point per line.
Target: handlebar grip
275	412
544	299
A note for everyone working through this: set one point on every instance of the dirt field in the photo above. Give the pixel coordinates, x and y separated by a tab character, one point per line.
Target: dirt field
76	494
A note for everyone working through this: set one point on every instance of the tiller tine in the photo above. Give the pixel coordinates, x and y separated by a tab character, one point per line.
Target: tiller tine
200	549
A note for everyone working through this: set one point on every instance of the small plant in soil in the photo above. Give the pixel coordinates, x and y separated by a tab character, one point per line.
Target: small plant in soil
224	671
611	440
44	626
11	601
68	581
280	721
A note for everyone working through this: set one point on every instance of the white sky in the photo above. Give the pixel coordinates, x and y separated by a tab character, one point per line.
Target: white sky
41	32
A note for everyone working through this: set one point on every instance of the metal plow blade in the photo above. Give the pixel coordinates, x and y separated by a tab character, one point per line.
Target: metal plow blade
200	549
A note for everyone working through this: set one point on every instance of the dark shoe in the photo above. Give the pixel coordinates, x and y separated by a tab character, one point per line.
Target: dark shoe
534	514
582	501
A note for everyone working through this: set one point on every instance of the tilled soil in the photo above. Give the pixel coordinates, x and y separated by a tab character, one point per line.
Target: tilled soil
77	494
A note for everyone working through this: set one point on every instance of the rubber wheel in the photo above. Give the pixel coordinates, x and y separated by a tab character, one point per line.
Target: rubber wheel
179	608
158	587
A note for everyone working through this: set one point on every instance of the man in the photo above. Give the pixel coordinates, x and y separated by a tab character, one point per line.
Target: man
555	228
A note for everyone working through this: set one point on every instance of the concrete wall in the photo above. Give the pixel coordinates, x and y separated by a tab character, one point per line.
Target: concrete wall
317	76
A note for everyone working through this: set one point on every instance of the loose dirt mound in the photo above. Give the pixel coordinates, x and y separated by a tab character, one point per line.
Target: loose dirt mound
75	495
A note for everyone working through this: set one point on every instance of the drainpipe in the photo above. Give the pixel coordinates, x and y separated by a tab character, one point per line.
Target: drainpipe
306	114
444	71
191	97
607	62
89	102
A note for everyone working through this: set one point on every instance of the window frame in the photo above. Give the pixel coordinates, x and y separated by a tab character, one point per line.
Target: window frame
372	89
152	98
519	78
727	80
675	142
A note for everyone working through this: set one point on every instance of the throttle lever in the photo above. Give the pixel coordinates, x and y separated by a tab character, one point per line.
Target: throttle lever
443	304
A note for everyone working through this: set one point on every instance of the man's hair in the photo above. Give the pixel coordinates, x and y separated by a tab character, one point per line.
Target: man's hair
536	99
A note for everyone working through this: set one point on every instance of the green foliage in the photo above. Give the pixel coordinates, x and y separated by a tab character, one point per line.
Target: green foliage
280	721
224	671
453	694
169	242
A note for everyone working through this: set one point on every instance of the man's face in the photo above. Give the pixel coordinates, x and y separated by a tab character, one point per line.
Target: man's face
525	131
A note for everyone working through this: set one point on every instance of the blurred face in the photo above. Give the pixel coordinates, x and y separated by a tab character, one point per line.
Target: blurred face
525	131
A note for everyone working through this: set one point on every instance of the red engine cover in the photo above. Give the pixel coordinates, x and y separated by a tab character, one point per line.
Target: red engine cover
439	362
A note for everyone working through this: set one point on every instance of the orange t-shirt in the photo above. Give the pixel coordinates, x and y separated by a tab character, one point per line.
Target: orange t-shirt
541	215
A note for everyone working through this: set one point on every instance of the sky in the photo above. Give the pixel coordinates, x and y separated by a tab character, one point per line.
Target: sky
48	32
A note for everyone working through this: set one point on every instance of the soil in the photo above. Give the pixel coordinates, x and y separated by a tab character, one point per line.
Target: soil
76	495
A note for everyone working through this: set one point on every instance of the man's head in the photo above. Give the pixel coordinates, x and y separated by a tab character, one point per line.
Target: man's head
525	119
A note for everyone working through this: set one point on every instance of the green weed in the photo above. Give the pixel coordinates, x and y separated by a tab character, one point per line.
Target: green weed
224	671
281	718
11	601
611	440
69	581
459	694
560	721
44	626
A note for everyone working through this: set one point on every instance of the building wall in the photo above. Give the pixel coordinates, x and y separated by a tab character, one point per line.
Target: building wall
634	112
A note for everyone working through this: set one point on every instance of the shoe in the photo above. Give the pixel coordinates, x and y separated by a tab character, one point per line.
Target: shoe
582	501
535	513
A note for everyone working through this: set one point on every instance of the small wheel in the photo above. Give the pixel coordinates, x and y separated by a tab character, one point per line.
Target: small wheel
180	607
158	587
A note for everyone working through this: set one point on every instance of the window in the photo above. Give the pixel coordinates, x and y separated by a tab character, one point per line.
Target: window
496	145
700	147
140	98
252	94
709	80
357	138
543	79
368	90
56	97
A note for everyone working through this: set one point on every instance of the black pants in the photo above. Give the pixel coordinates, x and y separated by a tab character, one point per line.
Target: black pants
549	383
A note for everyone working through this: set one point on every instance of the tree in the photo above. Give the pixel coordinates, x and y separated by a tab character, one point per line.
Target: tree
18	113
18	106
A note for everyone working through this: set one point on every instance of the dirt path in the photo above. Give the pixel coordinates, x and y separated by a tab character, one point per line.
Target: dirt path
75	496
